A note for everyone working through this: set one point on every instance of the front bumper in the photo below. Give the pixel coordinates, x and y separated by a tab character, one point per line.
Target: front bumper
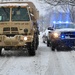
64	42
17	40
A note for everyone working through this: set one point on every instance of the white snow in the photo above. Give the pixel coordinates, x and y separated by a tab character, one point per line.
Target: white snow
45	62
14	4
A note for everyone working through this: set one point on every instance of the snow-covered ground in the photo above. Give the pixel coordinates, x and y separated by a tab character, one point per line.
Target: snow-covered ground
45	62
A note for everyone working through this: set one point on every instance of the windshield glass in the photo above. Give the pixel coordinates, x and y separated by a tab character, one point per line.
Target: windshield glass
59	26
20	14
4	14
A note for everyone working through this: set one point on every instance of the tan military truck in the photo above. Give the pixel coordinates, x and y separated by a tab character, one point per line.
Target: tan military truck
19	27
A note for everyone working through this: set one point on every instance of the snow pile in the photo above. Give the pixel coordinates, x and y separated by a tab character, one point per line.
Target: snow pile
15	4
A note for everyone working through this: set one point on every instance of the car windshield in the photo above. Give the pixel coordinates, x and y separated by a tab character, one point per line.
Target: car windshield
4	14
20	14
59	26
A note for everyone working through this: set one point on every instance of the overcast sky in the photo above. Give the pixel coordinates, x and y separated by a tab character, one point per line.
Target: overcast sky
40	6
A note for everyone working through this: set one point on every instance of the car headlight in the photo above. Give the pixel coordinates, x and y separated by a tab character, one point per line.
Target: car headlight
55	35
25	38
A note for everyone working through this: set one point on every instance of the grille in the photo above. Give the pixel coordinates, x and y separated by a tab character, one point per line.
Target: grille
14	29
70	34
69	43
10	31
15	33
6	29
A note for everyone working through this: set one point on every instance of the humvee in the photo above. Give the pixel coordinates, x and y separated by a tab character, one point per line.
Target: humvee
19	27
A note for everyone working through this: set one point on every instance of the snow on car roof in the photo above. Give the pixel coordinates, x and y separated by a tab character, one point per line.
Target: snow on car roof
14	4
63	23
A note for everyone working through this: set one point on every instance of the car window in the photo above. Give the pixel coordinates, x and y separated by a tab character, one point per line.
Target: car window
59	26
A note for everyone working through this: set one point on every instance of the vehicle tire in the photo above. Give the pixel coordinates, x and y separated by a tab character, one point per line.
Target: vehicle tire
43	41
31	49
53	46
0	51
37	43
48	43
31	52
58	49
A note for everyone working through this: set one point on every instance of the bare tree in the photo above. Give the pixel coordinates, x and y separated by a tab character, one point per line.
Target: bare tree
60	2
66	5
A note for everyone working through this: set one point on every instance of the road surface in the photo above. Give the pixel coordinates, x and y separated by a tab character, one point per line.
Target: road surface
45	62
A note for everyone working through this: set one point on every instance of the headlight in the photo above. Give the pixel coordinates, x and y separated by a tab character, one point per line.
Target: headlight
55	35
25	38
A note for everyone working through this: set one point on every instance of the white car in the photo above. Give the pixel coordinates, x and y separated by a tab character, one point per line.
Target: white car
45	36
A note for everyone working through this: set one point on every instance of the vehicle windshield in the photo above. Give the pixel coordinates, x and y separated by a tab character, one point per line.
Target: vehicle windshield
4	14
20	14
59	26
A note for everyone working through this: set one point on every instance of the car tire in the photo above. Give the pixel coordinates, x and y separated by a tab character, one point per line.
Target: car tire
43	41
31	49
58	49
0	51
53	46
31	52
48	43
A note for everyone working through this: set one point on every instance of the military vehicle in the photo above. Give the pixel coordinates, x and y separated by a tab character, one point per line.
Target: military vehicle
19	27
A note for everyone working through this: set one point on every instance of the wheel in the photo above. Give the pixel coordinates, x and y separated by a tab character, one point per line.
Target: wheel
0	51
43	41
48	43
53	46
31	52
31	49
36	47
58	48
37	43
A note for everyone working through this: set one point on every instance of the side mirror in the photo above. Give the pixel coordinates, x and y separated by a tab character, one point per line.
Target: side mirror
50	28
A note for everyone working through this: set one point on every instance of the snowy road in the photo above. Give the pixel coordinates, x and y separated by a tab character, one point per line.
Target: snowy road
45	62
